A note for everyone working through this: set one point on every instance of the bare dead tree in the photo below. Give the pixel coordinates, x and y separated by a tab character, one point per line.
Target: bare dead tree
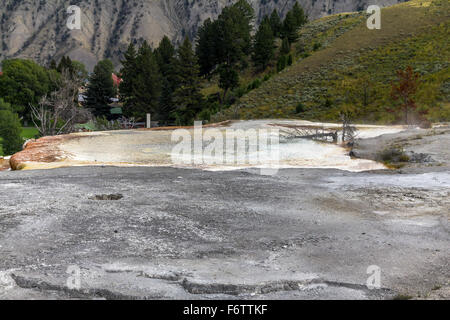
102	124
348	131
59	112
310	132
127	123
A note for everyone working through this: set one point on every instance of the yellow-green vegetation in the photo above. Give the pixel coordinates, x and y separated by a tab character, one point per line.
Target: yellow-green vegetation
29	133
394	157
341	65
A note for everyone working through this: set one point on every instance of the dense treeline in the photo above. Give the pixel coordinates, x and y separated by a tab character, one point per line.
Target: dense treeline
166	81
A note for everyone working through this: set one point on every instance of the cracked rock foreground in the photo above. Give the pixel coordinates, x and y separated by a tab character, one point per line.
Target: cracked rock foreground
191	234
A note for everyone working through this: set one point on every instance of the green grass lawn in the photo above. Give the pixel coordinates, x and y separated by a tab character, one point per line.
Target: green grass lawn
27	133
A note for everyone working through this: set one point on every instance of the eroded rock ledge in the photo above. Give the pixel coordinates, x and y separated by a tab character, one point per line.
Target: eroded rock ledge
47	150
413	147
41	150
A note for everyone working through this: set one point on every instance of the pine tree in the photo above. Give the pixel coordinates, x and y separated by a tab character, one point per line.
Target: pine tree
65	64
290	27
207	46
147	86
235	33
275	23
187	97
226	40
165	56
101	89
229	79
264	45
52	65
61	64
129	73
299	15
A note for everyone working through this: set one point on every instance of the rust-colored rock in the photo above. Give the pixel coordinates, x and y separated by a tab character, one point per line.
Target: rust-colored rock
4	164
41	150
47	150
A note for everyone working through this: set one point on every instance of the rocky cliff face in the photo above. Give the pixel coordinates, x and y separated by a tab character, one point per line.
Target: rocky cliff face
37	29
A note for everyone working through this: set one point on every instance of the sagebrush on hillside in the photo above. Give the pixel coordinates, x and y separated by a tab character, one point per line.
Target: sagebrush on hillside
342	66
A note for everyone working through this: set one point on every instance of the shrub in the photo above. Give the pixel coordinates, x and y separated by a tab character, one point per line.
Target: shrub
300	108
255	84
10	129
393	155
305	55
328	104
239	92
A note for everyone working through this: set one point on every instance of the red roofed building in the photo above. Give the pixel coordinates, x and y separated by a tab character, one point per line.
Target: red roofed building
117	80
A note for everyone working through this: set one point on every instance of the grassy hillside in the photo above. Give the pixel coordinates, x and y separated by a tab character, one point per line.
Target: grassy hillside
342	65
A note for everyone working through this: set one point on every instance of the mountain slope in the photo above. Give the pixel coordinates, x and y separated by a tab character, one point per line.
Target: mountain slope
37	29
354	60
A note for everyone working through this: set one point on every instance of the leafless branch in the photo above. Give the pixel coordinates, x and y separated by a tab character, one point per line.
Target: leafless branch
59	112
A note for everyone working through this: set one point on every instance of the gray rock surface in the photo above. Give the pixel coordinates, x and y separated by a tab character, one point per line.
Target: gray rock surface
423	147
177	234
